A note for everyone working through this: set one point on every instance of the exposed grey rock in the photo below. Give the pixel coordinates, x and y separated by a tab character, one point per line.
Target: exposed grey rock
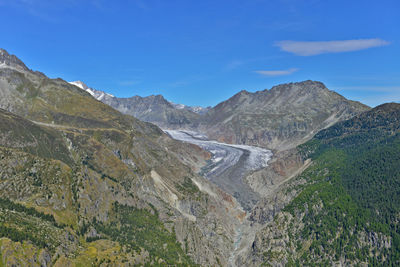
280	118
11	61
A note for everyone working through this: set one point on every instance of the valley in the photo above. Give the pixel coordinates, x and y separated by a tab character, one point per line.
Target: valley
229	164
293	175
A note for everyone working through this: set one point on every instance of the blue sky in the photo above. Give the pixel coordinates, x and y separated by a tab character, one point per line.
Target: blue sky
203	52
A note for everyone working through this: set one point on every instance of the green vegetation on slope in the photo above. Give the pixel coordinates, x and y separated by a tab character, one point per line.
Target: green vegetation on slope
351	200
40	200
20	223
139	228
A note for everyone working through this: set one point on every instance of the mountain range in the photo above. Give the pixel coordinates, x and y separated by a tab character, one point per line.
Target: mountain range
279	118
90	179
155	108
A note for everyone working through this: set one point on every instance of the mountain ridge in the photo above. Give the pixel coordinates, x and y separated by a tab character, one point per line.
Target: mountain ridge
278	118
99	95
11	60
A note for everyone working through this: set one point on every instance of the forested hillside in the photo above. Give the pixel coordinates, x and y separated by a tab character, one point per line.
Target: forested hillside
348	210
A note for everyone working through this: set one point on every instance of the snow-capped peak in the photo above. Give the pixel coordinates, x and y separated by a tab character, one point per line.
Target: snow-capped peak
195	109
80	84
99	95
179	106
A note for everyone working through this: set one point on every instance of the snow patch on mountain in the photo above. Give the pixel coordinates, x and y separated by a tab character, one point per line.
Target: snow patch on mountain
195	109
99	95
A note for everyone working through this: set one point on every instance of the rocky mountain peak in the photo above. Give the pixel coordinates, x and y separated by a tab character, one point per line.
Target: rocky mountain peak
10	60
235	101
159	97
99	95
279	118
80	84
308	86
156	99
196	109
241	94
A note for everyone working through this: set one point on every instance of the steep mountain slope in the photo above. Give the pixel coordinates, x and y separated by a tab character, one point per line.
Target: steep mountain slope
280	118
155	108
346	205
82	183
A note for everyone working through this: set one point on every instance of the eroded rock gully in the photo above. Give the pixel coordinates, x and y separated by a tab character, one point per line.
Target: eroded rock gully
254	177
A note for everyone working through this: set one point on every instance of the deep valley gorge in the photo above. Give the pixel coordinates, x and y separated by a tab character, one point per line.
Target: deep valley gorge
294	175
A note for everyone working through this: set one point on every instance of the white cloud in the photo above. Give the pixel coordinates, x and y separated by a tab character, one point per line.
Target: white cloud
323	47
276	72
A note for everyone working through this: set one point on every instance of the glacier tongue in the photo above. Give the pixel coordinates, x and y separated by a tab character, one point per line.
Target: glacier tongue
258	157
229	165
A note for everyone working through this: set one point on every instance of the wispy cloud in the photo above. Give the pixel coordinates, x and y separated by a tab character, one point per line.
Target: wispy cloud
276	72
323	47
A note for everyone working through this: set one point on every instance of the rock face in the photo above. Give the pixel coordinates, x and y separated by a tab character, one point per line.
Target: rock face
10	61
280	118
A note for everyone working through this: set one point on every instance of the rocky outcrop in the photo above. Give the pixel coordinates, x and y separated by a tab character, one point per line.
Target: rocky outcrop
280	118
11	61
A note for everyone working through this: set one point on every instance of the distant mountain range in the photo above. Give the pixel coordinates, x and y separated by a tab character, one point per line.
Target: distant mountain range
155	108
280	118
